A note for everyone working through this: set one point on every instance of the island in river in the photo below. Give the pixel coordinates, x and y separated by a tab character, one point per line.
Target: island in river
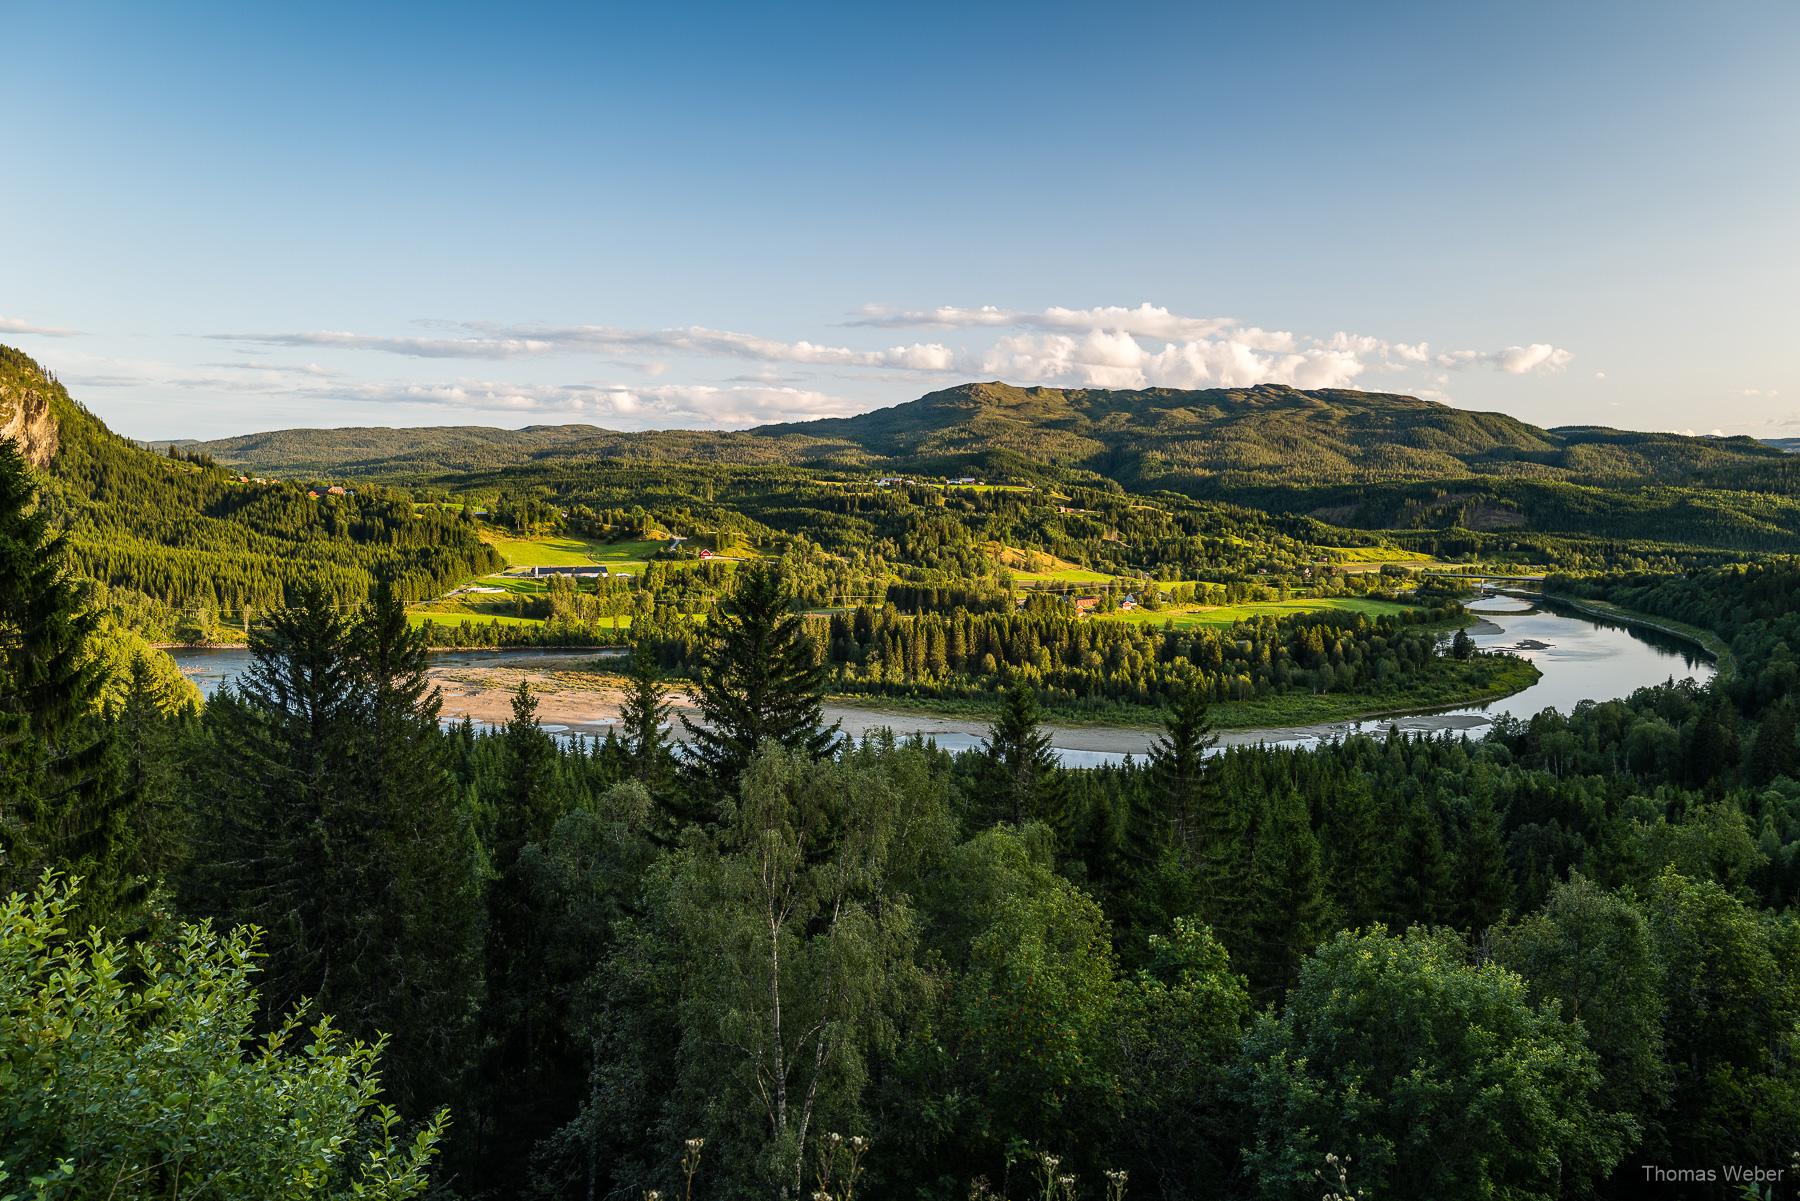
1576	656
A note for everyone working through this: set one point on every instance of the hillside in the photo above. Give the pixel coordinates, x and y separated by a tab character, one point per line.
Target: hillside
1202	442
172	536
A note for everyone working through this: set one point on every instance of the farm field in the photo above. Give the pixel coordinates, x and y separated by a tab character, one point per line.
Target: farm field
1228	615
563	550
1067	575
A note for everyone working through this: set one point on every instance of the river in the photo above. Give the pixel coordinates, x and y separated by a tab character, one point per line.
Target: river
1581	658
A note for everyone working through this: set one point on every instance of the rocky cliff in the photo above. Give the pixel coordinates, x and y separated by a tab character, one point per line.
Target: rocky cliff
25	417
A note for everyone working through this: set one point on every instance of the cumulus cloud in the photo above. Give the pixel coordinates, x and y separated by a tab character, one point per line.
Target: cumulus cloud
18	325
1112	359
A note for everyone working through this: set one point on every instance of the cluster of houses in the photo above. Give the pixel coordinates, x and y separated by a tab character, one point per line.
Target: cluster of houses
587	571
961	481
334	490
1088	605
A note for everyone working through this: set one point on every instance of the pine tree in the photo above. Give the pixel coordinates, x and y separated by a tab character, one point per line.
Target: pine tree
1018	777
528	803
58	807
759	681
1288	912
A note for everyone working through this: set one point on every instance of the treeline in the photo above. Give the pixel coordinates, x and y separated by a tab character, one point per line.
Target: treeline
1072	660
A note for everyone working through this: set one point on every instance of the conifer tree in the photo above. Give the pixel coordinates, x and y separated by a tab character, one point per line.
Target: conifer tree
146	735
58	808
643	719
1483	880
526	803
331	821
760	680
1018	779
1356	844
1420	873
423	862
1178	768
277	801
1288	912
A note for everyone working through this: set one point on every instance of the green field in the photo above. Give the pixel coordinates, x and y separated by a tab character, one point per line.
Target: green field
555	550
1068	575
1229	615
415	617
1375	554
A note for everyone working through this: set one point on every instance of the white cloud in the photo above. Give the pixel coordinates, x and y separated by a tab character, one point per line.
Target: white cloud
1101	359
489	341
18	325
1514	360
1146	320
632	407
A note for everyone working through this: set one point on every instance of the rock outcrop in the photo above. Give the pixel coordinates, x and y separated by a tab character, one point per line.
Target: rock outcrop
25	417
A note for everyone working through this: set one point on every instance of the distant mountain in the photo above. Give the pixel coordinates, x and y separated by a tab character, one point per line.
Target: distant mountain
1786	445
1204	442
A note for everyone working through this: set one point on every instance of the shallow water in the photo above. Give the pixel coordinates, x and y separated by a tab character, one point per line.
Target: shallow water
1581	659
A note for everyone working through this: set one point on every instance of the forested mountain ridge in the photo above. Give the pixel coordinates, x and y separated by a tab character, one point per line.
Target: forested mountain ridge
168	535
1202	442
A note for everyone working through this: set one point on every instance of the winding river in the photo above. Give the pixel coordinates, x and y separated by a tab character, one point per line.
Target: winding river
1581	657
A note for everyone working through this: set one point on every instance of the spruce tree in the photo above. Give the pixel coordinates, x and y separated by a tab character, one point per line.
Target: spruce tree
150	726
1178	768
332	821
1483	879
1288	912
418	837
643	719
759	681
1357	845
1420	873
527	801
62	802
1018	778
279	811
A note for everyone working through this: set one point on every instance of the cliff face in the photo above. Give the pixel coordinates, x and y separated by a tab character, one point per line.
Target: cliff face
25	417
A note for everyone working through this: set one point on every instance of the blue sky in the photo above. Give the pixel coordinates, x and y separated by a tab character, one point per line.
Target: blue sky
224	218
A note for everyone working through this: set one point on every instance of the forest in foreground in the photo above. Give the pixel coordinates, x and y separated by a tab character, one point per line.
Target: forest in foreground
306	942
